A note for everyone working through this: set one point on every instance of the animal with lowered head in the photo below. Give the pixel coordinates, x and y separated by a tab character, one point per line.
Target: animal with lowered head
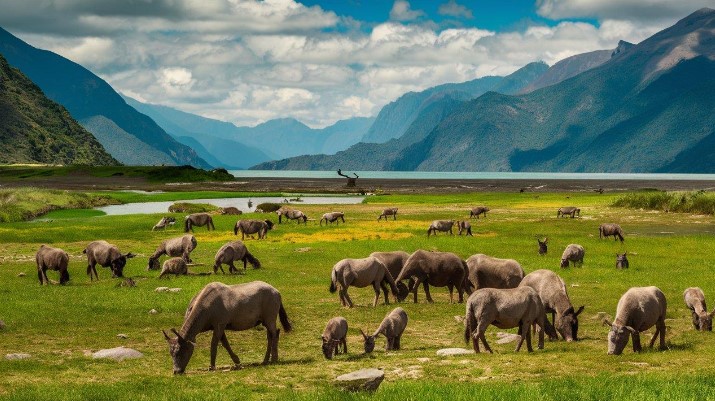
291	214
219	307
552	293
610	229
179	246
164	222
231	252
638	310
332	217
485	271
392	327
334	336
504	308
230	210
198	220
543	248
568	211
440	225
695	301
394	261
175	266
51	258
464	225
251	227
106	255
361	273
439	269
573	253
392	211
475	212
622	260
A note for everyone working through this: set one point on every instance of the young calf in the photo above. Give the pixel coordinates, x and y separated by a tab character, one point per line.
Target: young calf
621	260
334	335
573	253
695	301
175	266
392	327
464	225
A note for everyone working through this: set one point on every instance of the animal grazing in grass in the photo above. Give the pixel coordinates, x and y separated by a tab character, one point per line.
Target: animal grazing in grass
485	271
291	214
175	266
475	212
219	307
439	269
332	217
394	261
179	246
573	253
361	273
464	225
392	211
638	310
504	308
164	222
230	210
440	225
231	252
251	227
552	293
106	255
568	211
543	247
334	336
622	260
49	258
392	327
199	220
610	229
695	301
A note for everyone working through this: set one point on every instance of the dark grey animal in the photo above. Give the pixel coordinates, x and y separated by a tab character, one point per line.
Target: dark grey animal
475	212
504	308
231	252
291	214
394	262
434	268
440	225
638	310
573	253
106	255
164	222
610	229
392	211
179	246
230	210
568	211
552	293
464	225
332	217
219	307
543	248
392	327
484	271
695	301
622	260
334	335
361	273
175	266
199	220
251	227
55	259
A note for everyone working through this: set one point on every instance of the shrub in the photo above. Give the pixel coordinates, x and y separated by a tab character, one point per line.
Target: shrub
185	207
700	202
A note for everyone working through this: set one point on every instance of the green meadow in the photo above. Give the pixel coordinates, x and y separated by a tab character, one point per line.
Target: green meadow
60	325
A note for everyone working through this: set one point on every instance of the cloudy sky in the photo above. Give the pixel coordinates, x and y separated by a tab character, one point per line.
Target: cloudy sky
248	61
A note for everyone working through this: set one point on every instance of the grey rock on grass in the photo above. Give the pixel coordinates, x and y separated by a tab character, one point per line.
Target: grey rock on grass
118	354
361	380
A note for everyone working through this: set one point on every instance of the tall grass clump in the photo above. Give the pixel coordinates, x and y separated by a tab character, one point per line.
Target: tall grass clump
186	207
700	202
21	204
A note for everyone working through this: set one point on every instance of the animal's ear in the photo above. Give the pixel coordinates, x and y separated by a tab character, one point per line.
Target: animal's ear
323	338
130	255
631	329
578	312
569	310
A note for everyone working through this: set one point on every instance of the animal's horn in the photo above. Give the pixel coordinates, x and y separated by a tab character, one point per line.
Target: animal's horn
166	335
363	333
173	330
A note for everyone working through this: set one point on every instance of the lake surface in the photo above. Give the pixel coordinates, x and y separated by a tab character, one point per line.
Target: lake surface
420	175
241	203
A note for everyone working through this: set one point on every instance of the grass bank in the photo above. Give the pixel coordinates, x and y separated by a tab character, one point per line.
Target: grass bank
700	202
150	173
28	203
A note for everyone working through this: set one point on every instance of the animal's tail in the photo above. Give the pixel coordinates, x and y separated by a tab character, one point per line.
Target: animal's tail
235	229
469	324
333	279
284	319
620	234
253	261
187	225
211	223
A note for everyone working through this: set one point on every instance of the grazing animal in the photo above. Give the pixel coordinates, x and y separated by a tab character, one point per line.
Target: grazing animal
51	258
175	266
440	225
199	220
504	308
231	252
361	273
622	260
394	262
552	293
484	271
573	253
292	215
251	227
230	210
543	248
164	222
334	335
695	301
106	255
179	246
434	268
610	229
219	307
392	211
568	211
477	211
392	327
464	225
638	310
332	217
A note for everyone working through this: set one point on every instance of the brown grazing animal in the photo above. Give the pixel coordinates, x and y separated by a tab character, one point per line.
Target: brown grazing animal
51	258
638	310
292	215
543	248
573	253
695	301
219	307
199	220
361	273
434	268
568	211
477	211
179	246
464	225
484	271
440	225
394	262
392	211
504	308
251	227
334	335
622	261
164	222
175	266
106	255
552	292
610	229
392	327
230	210
231	252
332	217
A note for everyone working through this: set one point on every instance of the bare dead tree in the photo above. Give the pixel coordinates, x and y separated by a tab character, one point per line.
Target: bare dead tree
351	180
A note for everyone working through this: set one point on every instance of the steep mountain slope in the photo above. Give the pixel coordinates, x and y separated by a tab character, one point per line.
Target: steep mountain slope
569	67
85	96
34	129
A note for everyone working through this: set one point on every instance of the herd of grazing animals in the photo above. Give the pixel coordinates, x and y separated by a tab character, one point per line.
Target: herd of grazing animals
499	292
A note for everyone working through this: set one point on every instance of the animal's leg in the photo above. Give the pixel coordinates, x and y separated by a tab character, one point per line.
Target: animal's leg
343	302
451	290
384	291
522	334
376	287
397	342
528	337
269	346
655	335
427	294
388	344
481	329
345	345
234	357
636	342
661	323
218	333
415	287
460	292
276	336
394	217
347	297
39	275
550	330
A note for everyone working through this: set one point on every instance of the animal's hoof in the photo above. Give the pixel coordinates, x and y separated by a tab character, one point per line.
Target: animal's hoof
212	368
236	367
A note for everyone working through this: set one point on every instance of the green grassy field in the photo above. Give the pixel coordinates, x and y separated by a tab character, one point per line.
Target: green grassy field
57	325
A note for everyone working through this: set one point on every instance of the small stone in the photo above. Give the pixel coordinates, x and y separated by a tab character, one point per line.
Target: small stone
17	356
122	336
118	354
454	351
153	312
21	274
174	289
302	250
361	380
505	338
161	289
